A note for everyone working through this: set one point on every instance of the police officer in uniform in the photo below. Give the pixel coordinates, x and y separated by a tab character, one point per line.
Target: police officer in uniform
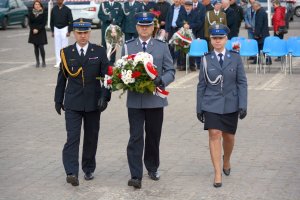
110	12
221	99
146	110
80	94
131	7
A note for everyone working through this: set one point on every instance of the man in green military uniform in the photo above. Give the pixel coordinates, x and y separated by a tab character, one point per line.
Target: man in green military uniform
131	7
215	16
110	12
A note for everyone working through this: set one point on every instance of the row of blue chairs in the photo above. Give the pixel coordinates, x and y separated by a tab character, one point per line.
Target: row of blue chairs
273	47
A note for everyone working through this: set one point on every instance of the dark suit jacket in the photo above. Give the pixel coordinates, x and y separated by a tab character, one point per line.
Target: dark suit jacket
81	93
170	15
232	23
201	11
193	19
261	30
150	6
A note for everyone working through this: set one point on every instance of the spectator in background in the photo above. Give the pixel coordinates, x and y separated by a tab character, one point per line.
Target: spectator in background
37	34
244	5
171	28
208	5
261	29
197	6
189	19
148	5
212	17
232	21
163	6
239	13
61	27
250	20
131	7
278	20
289	12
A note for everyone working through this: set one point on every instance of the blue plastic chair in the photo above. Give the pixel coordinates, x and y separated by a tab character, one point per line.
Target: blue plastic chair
234	39
228	45
249	47
267	42
293	46
278	48
197	49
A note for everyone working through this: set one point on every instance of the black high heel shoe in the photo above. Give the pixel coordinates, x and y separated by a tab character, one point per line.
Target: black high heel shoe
217	185
226	171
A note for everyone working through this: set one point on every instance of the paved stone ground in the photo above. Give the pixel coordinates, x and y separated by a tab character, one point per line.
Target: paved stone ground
265	162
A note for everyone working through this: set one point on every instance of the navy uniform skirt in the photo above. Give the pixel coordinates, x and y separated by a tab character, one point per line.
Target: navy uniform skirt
223	122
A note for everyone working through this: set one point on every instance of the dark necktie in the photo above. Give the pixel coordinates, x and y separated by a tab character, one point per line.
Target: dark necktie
81	53
221	60
144	46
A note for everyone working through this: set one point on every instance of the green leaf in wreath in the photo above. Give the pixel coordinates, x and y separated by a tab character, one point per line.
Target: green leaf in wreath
119	86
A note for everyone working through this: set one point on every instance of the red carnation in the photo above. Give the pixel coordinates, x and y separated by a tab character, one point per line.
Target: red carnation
109	82
110	71
120	76
135	74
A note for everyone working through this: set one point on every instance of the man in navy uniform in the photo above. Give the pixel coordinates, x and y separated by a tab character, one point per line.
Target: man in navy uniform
146	110
131	7
80	94
110	12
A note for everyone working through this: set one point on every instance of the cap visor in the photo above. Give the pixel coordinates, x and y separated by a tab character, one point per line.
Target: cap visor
145	24
214	36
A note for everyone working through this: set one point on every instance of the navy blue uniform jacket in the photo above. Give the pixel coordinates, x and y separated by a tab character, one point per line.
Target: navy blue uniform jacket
81	93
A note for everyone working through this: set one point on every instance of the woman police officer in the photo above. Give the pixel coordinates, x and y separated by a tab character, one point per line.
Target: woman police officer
221	98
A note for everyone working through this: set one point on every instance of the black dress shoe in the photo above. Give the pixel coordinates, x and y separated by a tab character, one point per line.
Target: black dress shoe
88	176
72	179
136	183
226	171
217	185
154	175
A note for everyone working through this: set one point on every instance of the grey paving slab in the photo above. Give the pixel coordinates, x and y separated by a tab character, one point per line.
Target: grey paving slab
264	163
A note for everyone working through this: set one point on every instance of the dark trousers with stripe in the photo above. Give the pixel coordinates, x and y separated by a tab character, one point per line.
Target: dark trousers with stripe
151	120
91	125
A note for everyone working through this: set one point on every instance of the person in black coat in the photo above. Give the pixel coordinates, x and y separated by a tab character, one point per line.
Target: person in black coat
149	6
189	19
37	34
239	12
197	6
163	6
232	19
81	95
261	29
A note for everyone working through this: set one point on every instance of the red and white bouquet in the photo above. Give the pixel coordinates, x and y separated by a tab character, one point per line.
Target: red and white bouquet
135	73
182	39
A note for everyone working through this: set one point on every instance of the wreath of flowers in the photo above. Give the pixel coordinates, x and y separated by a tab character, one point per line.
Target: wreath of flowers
113	39
182	39
135	73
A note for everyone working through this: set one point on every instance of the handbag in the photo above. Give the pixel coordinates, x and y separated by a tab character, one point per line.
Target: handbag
282	30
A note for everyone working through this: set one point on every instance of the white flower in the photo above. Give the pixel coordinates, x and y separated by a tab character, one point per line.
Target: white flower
106	78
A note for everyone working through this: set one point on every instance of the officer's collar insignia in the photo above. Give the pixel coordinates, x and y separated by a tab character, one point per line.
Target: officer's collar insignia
212	56
92	49
73	50
228	55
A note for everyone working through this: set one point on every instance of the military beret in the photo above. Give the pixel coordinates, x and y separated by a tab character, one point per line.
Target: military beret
82	25
144	18
218	30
